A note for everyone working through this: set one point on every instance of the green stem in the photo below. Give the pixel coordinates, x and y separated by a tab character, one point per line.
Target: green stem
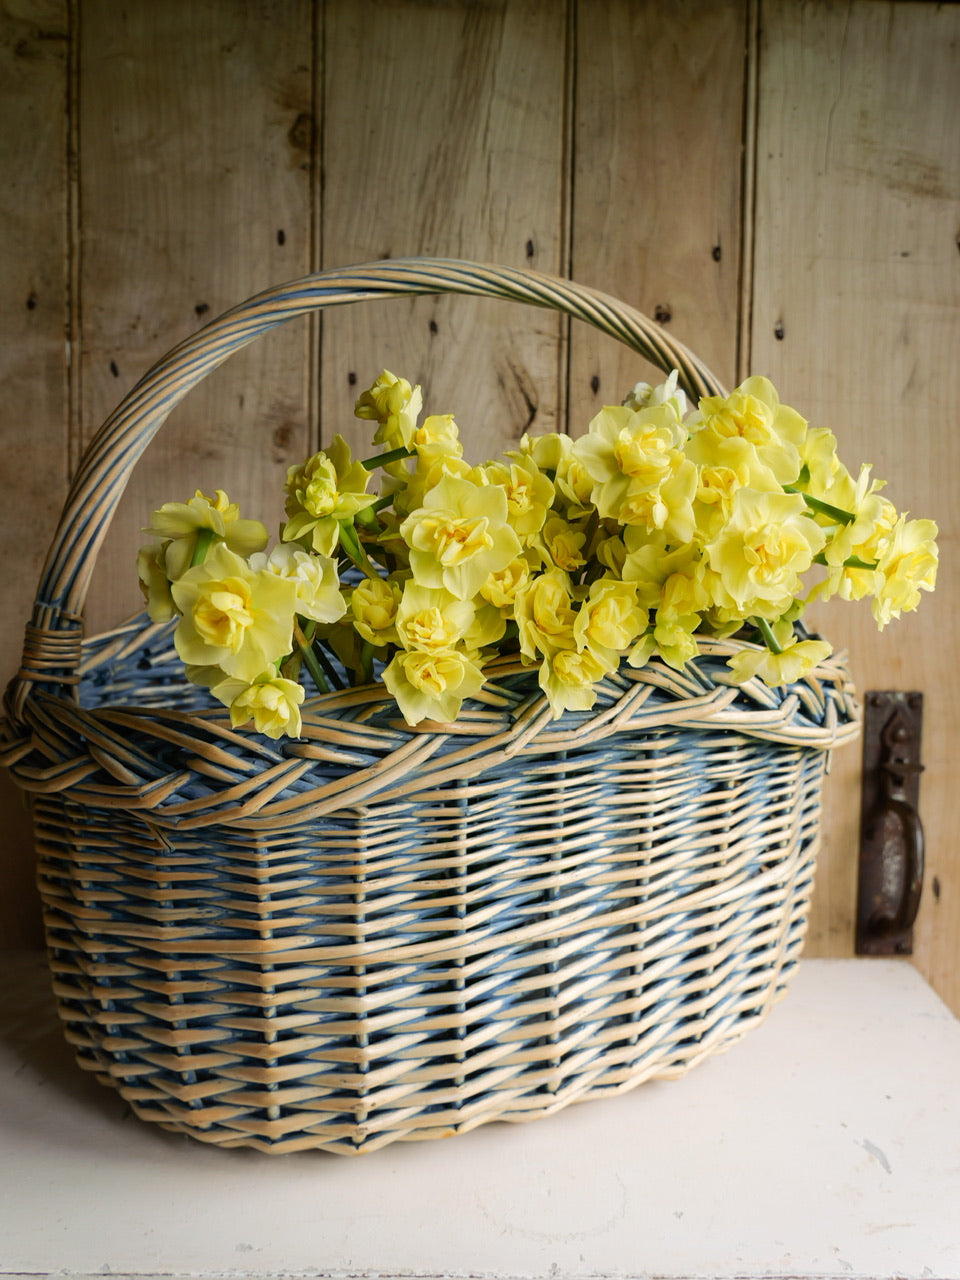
352	545
769	639
310	658
205	537
381	459
823	508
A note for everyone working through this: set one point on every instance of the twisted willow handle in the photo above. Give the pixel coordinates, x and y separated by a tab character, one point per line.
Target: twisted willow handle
52	645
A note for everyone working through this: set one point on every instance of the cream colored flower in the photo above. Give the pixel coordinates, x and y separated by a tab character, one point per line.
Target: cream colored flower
432	686
233	617
645	396
178	525
315	577
459	536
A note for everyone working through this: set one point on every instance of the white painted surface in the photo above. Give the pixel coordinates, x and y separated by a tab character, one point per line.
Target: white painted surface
827	1143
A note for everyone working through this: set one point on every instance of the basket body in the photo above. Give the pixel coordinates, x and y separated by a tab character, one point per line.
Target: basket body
375	933
417	934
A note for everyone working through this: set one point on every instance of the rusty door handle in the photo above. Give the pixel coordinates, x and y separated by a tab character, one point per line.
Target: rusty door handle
891	835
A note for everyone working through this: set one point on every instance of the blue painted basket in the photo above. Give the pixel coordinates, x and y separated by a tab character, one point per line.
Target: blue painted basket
376	933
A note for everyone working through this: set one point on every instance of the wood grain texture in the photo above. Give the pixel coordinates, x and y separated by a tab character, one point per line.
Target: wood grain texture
196	167
445	135
857	320
657	181
33	366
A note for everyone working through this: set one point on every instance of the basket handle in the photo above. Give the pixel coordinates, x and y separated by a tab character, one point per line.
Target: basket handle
52	644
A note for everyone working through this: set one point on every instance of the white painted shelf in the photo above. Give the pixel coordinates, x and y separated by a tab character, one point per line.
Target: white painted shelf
826	1143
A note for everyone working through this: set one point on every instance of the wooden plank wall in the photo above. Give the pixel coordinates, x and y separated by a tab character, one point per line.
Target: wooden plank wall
778	180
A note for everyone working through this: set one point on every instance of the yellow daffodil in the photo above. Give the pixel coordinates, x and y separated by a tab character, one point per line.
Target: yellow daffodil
232	616
459	536
529	492
545	615
568	678
752	413
796	659
640	473
561	545
609	620
328	488
373	606
500	588
432	686
395	405
270	701
154	583
759	556
180	524
907	566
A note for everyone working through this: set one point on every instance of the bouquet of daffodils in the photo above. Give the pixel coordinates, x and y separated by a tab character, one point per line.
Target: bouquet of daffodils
662	525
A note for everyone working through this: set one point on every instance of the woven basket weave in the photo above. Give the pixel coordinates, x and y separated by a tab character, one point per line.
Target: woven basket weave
376	933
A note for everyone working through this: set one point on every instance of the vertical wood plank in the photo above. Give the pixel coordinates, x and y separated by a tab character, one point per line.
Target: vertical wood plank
196	165
445	135
857	321
657	181
33	366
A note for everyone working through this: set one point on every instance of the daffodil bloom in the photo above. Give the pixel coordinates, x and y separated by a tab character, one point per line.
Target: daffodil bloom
752	413
459	536
154	583
645	396
768	542
395	405
907	566
562	545
315	577
545	615
432	686
568	678
796	659
500	588
232	616
432	619
609	620
640	473
327	489
650	561
178	525
373	606
270	701
436	438
529	492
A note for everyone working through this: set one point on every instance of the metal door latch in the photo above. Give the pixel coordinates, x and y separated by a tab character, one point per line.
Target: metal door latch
891	834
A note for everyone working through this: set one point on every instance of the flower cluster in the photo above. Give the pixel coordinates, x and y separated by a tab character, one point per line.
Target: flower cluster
662	525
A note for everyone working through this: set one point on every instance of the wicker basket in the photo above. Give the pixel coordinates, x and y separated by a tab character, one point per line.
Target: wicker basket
374	933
